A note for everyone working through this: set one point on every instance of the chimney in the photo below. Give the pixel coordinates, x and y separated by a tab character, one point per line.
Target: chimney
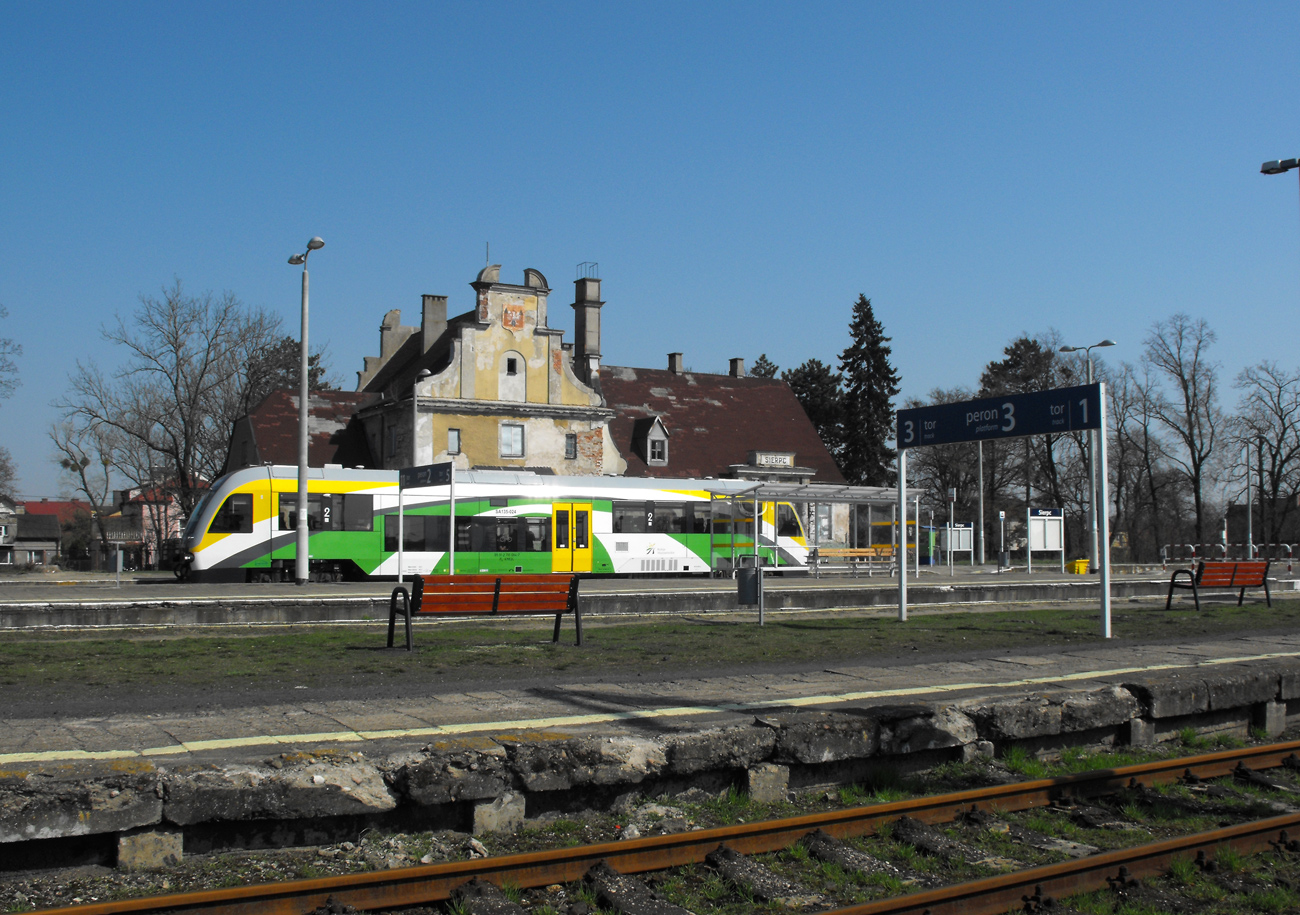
737	368
586	327
675	363
433	322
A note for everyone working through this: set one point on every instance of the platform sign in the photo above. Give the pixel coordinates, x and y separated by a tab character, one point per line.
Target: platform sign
1075	409
1012	416
425	475
1046	529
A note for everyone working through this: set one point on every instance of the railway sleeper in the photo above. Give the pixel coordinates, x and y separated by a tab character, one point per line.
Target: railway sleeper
625	894
749	876
830	850
982	819
478	897
932	842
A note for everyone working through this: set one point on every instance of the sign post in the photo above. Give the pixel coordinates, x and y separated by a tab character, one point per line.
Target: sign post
426	475
1037	413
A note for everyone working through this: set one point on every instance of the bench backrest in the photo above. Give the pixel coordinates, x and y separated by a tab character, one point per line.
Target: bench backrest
1221	574
489	593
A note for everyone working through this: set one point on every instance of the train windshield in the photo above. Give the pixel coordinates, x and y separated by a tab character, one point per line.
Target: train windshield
192	522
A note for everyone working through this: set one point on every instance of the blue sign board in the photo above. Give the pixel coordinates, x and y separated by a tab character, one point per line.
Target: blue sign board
426	475
1012	416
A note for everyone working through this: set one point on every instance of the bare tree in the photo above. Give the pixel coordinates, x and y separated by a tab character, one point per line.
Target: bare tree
9	351
1178	349
1268	422
172	403
86	456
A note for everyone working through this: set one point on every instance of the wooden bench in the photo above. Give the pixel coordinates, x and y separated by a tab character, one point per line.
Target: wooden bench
492	595
853	558
1237	576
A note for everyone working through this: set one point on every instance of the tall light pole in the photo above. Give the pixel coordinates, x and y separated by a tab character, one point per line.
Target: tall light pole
1279	166
302	564
1092	460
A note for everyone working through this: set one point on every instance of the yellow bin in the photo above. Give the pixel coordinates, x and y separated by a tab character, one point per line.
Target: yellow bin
1079	567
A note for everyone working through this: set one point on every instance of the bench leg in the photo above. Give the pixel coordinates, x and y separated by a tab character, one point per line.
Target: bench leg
577	622
410	642
1268	598
1241	596
556	636
1196	596
392	615
1170	599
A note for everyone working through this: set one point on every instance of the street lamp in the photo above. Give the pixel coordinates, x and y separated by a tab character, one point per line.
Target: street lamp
1092	467
302	565
1279	166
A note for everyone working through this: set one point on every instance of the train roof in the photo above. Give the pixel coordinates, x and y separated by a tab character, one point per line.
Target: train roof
524	479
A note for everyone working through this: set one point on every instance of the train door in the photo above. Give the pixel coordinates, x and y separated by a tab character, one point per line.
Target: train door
571	537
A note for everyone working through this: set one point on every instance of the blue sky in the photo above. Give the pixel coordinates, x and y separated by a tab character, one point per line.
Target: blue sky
739	171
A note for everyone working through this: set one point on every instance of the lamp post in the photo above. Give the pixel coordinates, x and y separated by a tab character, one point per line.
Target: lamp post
301	563
1092	460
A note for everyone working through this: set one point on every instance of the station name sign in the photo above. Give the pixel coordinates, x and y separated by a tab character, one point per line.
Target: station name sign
1037	413
425	475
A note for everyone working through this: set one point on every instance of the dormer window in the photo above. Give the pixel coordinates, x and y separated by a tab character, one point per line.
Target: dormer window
654	443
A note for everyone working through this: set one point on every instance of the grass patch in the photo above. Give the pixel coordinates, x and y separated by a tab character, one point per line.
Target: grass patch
65	663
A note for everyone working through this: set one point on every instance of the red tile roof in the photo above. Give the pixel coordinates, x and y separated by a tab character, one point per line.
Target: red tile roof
713	421
66	510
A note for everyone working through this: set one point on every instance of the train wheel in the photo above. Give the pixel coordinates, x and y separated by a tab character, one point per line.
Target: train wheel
181	570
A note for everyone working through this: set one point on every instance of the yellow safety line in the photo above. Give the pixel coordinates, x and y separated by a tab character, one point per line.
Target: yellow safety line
568	721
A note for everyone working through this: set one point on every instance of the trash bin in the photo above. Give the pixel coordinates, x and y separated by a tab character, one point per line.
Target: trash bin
747	586
1079	567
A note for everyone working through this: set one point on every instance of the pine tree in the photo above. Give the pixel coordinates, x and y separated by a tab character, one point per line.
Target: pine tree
817	389
870	385
764	367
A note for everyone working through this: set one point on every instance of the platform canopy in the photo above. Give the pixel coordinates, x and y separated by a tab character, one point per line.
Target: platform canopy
823	493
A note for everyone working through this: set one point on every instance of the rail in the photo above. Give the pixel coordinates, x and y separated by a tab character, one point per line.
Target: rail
425	884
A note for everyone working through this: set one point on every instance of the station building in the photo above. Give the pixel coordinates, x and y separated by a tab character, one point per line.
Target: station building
496	387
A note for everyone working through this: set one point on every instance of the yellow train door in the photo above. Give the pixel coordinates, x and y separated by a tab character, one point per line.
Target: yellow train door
571	537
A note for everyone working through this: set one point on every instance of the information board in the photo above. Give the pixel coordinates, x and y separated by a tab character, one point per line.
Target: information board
1036	413
425	475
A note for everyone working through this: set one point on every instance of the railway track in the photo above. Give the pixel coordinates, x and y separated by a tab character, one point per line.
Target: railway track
423	885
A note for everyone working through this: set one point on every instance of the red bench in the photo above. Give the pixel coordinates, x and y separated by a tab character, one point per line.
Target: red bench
1237	576
493	595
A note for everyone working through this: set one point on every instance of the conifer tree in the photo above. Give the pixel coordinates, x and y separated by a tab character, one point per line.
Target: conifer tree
870	385
764	367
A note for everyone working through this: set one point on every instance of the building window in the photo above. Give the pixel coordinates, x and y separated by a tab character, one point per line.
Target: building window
658	451
512	366
571	446
512	440
453	441
392	441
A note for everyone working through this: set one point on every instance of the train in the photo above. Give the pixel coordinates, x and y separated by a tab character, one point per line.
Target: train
244	527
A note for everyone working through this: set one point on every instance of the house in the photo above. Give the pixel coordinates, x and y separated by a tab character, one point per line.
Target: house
496	387
36	540
269	434
675	423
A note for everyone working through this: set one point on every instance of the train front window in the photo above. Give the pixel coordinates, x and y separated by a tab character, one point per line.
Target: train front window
191	523
235	516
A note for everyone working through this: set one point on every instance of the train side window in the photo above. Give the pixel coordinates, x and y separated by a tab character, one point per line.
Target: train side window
631	517
235	516
320	513
420	533
787	522
537	535
358	512
669	518
698	522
